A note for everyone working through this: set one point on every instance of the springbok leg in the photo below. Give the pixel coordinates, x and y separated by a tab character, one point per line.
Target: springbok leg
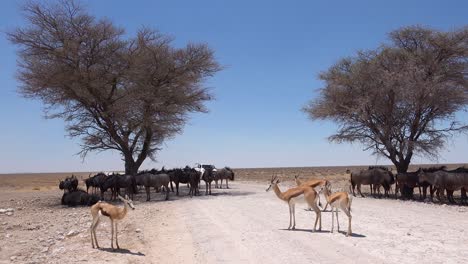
116	239
337	221
333	219
112	236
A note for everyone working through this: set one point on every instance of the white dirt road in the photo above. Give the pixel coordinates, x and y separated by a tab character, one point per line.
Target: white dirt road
245	224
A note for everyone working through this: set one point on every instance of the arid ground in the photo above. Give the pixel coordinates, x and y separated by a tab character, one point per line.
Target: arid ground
243	224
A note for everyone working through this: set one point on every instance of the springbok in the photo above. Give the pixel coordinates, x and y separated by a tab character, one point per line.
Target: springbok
342	200
115	213
312	183
291	196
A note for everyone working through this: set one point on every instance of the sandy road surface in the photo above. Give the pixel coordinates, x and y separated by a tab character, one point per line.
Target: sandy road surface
241	225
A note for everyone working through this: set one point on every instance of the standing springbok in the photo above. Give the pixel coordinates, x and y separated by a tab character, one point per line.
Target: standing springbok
115	213
342	200
312	183
291	196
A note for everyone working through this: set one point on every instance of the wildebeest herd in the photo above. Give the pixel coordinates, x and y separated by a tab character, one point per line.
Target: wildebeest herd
72	196
160	180
438	179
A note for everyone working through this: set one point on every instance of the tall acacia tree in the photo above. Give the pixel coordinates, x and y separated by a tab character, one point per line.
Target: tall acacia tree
120	93
400	100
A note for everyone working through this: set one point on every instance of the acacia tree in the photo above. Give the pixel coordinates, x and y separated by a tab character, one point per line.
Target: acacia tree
115	93
400	99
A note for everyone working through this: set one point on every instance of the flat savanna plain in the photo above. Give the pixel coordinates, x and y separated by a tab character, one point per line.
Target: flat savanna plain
243	224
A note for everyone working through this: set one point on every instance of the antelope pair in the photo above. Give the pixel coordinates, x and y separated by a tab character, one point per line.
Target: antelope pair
337	200
292	195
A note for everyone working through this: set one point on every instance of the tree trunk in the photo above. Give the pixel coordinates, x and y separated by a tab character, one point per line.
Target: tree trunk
131	167
402	167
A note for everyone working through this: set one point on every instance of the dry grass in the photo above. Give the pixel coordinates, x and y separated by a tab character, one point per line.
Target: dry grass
36	181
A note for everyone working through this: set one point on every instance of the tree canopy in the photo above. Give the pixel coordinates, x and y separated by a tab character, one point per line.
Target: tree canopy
400	99
115	92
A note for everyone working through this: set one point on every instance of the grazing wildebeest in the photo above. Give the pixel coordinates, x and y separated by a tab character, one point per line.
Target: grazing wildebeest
223	174
79	197
374	176
208	176
69	184
178	176
156	181
442	180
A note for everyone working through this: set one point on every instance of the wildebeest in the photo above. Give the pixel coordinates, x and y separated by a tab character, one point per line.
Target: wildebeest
442	180
69	184
194	180
117	181
178	176
405	183
79	197
155	180
373	176
464	197
223	174
208	176
95	181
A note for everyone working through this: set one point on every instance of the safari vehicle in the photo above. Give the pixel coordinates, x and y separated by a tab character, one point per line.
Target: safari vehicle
202	167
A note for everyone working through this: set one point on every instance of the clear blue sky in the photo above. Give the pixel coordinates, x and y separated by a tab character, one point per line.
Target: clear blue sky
273	52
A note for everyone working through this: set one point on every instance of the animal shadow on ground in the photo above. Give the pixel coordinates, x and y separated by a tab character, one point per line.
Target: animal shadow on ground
353	234
235	193
122	251
321	231
303	230
310	210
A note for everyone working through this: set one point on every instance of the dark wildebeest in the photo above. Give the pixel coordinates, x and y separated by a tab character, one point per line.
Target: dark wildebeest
442	180
79	197
208	176
194	180
405	183
375	177
388	180
117	181
224	174
178	176
89	182
95	181
69	184
464	197
156	181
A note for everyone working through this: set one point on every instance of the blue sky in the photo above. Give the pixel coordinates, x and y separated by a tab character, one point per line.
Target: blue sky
272	51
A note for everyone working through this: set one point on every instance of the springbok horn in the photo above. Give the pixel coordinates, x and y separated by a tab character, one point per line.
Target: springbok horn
276	177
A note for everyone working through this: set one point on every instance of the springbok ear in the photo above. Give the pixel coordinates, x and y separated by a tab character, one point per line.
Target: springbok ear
126	197
120	197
